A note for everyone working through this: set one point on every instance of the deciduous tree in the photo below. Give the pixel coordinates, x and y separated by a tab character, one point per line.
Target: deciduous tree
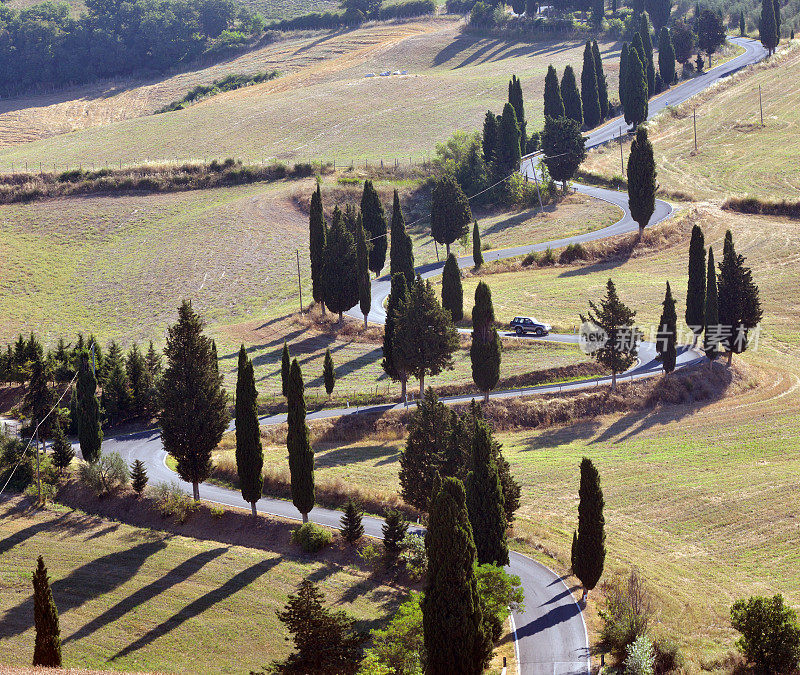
564	148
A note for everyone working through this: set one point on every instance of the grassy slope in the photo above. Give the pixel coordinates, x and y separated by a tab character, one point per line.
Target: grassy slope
323	107
157	594
735	154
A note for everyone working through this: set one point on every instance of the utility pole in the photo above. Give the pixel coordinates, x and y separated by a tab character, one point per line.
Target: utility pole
694	113
621	159
38	475
760	105
299	285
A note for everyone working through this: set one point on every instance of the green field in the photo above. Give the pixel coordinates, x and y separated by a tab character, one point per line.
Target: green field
143	600
735	153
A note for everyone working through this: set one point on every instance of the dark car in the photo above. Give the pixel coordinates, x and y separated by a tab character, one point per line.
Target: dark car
527	324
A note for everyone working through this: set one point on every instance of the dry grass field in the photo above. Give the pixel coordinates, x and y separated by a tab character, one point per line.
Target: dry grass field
735	155
322	107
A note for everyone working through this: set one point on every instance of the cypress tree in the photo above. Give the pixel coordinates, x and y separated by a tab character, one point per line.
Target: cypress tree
777	12
38	399
116	389
452	291
340	272
362	255
477	249
456	639
328	372
589	544
623	77
571	97
659	11
73	410
485	350
425	451
768	26
516	100
602	84
375	224
636	92
352	528
590	98
139	380
450	212
489	139
425	338
63	454
194	412
742	29
667	333
696	288
316	237
154	367
508	153
301	456
598	12
666	57
642	183
615	319
90	435
711	340
138	476
553	103
485	501
739	303
401	255
397	296
647	46
286	364
47	649
394	529
249	453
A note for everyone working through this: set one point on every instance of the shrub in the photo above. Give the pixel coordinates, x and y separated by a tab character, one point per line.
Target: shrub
572	253
107	474
11	455
400	647
770	634
409	8
640	657
530	259
311	537
627	612
548	257
668	657
172	501
370	554
413	556
217	511
460	6
500	593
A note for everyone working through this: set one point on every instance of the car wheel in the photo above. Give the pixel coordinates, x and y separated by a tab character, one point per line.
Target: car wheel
539	332
518	331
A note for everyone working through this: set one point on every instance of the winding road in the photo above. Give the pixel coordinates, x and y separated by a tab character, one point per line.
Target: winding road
551	636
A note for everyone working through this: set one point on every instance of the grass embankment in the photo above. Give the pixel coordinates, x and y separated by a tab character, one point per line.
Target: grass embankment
133	599
453	79
735	153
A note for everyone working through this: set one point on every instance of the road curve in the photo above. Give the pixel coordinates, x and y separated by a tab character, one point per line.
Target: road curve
551	635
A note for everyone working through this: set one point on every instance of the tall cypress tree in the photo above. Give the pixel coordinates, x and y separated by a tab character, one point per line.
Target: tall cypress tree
647	46
90	435
571	97
456	640
450	212
362	256
486	348
397	296
589	543
489	139
777	12
194	412
711	321
249	453
452	291
553	103
768	26
477	249
301	456
739	304
602	84
696	288
401	255
508	153
667	333
590	98
38	399
636	91
623	78
742	29
73	410
375	224
47	649
485	501
666	57
328	372
659	11
286	364
642	183
340	272
316	238
516	100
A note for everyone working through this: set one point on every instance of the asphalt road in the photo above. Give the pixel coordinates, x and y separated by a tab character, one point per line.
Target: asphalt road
551	634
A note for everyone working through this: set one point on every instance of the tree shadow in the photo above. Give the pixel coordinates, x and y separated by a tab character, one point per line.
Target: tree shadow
350	366
12	540
600	266
550	619
143	595
341	456
562	435
560	596
202	604
95	578
102	532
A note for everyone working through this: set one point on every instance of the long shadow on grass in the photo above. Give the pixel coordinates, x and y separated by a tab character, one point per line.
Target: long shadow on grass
95	578
340	456
555	436
350	366
20	536
180	573
234	584
459	45
600	266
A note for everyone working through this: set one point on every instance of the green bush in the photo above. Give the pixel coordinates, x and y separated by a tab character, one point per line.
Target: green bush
172	501
311	537
640	657
500	593
11	451
413	555
106	475
571	253
668	656
770	633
